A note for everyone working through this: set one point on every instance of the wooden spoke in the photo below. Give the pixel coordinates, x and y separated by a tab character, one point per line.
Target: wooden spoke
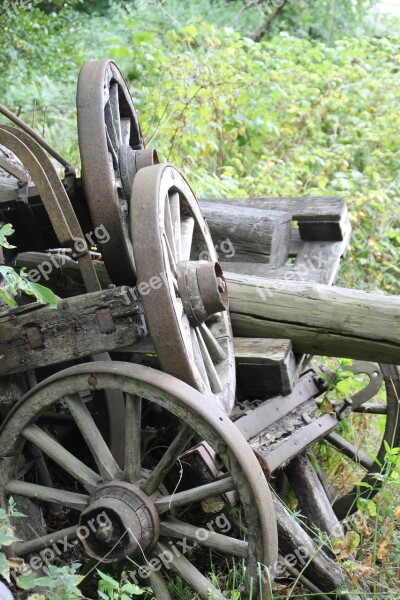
39	543
67	461
125	123
204	537
198	357
371	408
187	229
175	206
216	488
104	460
47	494
111	149
191	575
170	253
169	228
168	460
214	348
212	374
159	585
132	438
349	450
114	105
111	129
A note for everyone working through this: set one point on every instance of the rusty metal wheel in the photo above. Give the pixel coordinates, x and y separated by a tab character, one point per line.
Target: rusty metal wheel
182	286
112	150
370	418
139	511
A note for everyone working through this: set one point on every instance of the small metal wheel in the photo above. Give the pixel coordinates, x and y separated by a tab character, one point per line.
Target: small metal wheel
139	511
371	417
181	283
112	150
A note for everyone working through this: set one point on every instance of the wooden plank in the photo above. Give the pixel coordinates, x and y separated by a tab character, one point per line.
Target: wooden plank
305	210
256	236
315	231
314	503
256	421
287	272
35	336
301	208
319	319
297	442
324	256
264	367
316	261
59	272
328	575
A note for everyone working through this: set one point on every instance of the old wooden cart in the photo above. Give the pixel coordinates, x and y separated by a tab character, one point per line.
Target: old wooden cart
134	399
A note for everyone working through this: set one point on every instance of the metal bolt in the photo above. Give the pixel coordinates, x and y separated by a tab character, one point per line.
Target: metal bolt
221	285
105	533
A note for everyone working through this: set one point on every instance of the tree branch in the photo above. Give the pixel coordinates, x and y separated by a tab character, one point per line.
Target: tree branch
259	33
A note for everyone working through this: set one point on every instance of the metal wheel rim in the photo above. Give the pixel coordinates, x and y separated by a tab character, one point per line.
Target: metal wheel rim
98	82
185	403
169	326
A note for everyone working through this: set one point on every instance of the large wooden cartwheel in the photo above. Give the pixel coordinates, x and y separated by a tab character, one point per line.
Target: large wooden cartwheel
112	150
182	285
138	510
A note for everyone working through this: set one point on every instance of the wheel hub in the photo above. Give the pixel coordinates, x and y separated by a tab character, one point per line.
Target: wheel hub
202	288
131	161
119	521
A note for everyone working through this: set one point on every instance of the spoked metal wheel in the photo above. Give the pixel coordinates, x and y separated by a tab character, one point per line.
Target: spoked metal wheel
182	286
112	150
370	418
139	511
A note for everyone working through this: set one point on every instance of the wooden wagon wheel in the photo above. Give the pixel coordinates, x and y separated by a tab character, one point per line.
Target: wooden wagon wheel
133	517
366	402
182	286
112	150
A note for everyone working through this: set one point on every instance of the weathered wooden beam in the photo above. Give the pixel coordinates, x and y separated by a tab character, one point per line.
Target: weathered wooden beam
319	218
319	319
256	235
264	367
59	272
313	500
34	336
312	561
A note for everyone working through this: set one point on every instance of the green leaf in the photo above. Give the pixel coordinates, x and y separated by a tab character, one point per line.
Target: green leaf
4	568
107	579
42	294
28	581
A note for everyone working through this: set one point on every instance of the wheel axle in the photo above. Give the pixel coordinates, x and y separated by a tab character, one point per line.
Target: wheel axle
119	521
202	288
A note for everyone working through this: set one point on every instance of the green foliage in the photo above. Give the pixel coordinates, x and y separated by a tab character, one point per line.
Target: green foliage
287	116
111	589
7	536
327	20
61	582
20	282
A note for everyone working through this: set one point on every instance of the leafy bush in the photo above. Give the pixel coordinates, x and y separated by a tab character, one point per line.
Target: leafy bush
287	116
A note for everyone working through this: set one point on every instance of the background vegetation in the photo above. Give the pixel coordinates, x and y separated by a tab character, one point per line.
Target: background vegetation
248	98
310	109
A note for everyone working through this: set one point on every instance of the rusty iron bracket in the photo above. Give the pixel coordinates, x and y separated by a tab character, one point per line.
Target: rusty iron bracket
105	320
34	338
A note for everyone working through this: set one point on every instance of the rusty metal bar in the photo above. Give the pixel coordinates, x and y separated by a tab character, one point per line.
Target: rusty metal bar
254	422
